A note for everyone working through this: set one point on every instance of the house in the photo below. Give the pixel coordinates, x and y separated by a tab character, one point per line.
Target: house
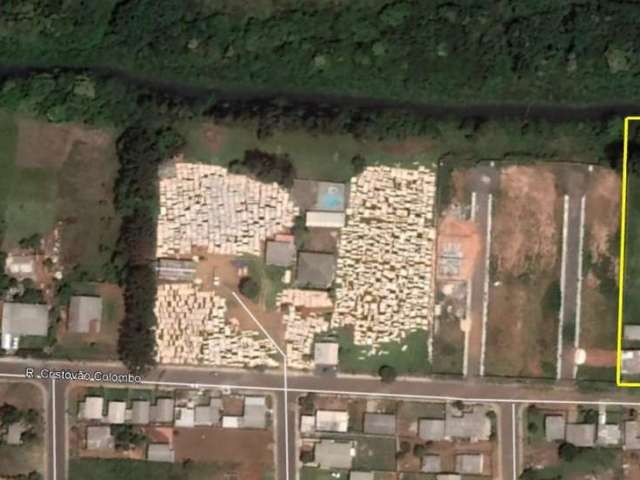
470	463
581	434
231	421
474	426
14	433
163	411
332	421
315	270
208	415
330	454
92	408
431	463
631	435
20	320
140	412
185	417
632	332
361	476
173	270
554	427
315	219
631	362
255	412
99	438
379	423
448	476
160	452
307	423
85	314
116	412
325	354
609	434
280	253
21	266
430	429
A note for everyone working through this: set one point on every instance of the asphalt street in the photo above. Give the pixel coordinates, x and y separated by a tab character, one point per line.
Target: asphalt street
470	390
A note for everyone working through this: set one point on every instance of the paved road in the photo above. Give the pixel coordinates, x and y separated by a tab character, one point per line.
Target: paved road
470	390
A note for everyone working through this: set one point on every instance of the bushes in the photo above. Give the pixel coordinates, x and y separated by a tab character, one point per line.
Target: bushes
265	167
249	288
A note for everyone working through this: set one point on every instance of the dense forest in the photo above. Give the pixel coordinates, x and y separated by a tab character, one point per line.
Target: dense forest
453	51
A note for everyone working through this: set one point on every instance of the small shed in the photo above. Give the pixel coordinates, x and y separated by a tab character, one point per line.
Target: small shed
14	433
632	332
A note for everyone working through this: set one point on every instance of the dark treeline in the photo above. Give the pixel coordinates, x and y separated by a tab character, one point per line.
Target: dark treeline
457	51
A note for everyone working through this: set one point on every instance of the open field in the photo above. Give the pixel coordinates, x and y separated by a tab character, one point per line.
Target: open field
632	255
525	258
103	469
599	327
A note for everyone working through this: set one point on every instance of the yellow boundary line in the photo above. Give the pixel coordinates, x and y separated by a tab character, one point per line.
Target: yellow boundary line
623	241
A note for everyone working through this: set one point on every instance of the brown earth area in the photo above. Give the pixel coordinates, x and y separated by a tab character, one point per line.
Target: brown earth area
525	254
462	233
409	146
602	210
214	135
601	358
248	454
460	188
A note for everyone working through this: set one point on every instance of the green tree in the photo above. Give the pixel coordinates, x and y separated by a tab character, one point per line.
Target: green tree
387	373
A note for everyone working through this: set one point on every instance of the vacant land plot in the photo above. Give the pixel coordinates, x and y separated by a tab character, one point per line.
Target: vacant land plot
322	157
524	300
245	454
106	469
53	172
598	335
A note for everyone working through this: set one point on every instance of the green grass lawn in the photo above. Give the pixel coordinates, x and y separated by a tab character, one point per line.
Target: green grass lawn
632	257
448	348
313	473
588	461
412	360
375	453
8	138
100	469
269	277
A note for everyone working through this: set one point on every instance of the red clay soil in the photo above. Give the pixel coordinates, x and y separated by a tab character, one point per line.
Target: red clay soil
465	234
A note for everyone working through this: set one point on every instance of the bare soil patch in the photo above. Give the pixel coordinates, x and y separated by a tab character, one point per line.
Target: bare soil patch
214	136
244	453
463	236
602	210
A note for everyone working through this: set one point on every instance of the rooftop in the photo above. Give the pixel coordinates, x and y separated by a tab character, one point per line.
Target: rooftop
581	434
160	452
554	427
280	254
331	454
332	420
85	314
380	423
326	353
431	429
99	437
20	319
315	270
470	463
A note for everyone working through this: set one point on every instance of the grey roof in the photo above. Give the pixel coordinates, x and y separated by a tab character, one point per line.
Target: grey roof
472	463
255	413
380	423
141	412
631	362
316	270
25	319
280	254
330	454
632	435
162	411
326	353
160	452
609	434
581	434
361	476
554	427
431	463
99	437
14	433
431	429
85	314
632	332
473	425
210	414
448	476
174	269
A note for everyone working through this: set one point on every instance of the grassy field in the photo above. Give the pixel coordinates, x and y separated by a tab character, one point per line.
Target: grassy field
375	453
632	256
588	463
8	136
100	469
448	349
326	157
408	357
313	473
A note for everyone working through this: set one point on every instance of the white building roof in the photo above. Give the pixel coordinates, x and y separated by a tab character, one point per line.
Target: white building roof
185	417
85	314
332	420
116	412
325	219
632	332
20	319
93	407
326	353
99	437
231	421
160	452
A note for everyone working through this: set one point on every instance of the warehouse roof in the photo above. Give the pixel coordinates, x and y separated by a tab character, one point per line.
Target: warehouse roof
92	408
315	270
581	434
24	319
255	412
332	420
85	314
380	423
162	412
208	415
116	412
160	452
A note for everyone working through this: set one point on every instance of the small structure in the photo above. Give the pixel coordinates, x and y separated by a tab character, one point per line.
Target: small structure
116	413
23	319
331	454
172	270
21	266
85	314
307	424
92	408
315	195
315	270
581	434
231	421
431	463
140	412
470	463
163	411
431	430
448	476
255	412
631	435
325	354
380	423
316	219
185	417
631	362
332	421
554	428
361	476
99	438
632	332
474	426
280	253
609	434
161	452
14	433
208	415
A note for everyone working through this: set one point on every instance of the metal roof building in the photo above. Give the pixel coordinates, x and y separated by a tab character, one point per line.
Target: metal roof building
431	463
99	437
116	412
331	454
431	429
581	434
554	427
315	270
609	434
315	219
208	415
280	254
632	332
91	408
379	423
163	411
161	452
85	314
23	319
332	421
174	270
255	412
361	476
326	353
140	412
470	463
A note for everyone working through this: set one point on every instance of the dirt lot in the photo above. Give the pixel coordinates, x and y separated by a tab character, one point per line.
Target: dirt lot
248	454
15	460
462	235
525	249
